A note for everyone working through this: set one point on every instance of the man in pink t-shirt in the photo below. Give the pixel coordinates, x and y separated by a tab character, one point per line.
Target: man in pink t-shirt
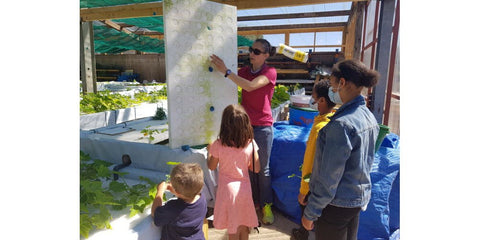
258	83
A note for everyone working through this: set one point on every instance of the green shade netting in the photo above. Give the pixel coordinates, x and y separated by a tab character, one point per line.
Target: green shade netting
243	41
106	3
109	40
151	23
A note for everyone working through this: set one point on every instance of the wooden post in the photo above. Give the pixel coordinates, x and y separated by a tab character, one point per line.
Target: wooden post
359	13
287	38
383	56
87	58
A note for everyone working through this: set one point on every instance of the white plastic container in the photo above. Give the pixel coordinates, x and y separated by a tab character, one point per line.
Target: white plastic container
292	53
300	100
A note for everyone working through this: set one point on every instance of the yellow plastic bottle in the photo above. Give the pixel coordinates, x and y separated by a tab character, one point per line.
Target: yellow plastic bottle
298	55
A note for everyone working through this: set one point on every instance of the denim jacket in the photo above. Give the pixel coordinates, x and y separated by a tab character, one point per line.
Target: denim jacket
343	160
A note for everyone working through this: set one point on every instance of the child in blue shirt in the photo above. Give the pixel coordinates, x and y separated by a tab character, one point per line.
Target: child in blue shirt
181	218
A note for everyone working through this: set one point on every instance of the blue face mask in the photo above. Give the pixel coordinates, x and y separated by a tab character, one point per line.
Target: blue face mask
334	96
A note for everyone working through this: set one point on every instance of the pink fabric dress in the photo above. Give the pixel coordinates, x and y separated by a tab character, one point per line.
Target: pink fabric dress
233	203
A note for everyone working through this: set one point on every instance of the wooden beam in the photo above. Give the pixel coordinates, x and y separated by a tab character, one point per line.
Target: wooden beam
295	15
253	4
316	46
151	33
292	26
290	30
122	28
297	71
241	32
349	34
116	26
357	47
159	37
138	32
304	81
122	11
156	8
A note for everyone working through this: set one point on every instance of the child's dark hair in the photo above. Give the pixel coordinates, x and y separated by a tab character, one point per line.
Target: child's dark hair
235	129
356	72
187	179
267	47
321	89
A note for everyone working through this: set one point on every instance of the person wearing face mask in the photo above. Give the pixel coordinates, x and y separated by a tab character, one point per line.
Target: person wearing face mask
257	82
340	184
324	105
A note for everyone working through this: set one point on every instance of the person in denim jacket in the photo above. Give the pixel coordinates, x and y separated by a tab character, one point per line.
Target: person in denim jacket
340	183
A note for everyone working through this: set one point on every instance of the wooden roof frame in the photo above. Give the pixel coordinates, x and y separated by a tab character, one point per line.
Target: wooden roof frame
293	26
295	15
104	14
116	26
156	8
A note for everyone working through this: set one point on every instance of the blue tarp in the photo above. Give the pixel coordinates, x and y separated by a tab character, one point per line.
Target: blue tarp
381	218
379	221
289	143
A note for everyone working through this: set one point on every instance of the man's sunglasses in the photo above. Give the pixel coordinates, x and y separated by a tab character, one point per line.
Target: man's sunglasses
255	51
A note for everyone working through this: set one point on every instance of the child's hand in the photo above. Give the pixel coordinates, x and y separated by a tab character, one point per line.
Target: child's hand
301	199
307	224
161	187
170	188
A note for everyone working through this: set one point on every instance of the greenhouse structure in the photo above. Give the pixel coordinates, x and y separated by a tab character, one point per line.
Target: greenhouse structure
150	100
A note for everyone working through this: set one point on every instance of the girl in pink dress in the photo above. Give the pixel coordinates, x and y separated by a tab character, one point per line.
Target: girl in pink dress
232	153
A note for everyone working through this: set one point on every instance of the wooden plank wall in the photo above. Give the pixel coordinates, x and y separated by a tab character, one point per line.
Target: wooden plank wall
148	66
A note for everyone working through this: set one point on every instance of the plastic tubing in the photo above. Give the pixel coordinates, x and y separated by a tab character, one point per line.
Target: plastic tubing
126	161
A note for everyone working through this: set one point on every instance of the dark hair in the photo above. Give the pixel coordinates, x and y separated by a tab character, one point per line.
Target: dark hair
356	72
187	179
321	89
235	129
267	47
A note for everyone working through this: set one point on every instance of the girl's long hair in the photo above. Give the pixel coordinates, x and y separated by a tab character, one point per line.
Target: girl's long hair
235	129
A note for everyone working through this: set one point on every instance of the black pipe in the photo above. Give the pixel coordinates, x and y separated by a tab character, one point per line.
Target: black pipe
126	161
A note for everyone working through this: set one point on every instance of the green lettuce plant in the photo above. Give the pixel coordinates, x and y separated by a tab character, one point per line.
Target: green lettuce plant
100	194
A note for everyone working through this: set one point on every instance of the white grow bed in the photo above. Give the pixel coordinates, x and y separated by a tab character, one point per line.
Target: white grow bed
137	227
111	140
